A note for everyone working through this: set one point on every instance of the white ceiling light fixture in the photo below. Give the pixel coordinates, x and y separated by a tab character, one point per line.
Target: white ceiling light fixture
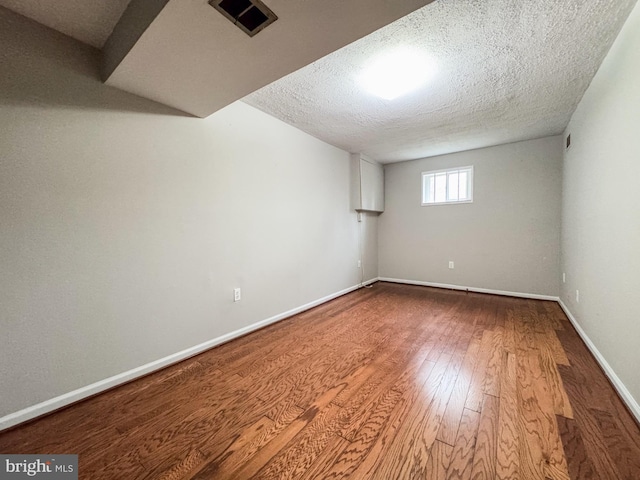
397	72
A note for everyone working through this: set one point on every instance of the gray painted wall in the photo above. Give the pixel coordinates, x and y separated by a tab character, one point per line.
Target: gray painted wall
126	225
507	239
601	209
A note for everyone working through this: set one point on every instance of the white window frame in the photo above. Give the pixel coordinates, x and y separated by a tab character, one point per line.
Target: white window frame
448	171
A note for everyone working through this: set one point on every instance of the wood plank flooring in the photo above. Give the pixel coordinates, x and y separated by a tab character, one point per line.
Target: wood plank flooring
392	382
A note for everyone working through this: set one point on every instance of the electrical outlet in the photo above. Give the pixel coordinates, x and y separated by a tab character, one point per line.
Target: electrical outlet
359	263
237	295
450	265
564	278
578	296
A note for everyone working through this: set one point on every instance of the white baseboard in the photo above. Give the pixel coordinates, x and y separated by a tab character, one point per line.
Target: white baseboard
81	393
369	282
76	395
534	296
626	396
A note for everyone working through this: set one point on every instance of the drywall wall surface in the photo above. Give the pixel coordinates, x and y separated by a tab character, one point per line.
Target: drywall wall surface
507	239
126	225
369	245
601	209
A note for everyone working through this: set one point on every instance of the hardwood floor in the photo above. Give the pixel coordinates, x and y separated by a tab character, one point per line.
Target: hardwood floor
393	382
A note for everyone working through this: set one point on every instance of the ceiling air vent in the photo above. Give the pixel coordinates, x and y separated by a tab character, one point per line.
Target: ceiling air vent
250	16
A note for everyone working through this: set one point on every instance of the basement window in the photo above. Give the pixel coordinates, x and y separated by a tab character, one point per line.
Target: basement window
454	185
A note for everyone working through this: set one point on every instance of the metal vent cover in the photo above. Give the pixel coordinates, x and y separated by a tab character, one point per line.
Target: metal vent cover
250	16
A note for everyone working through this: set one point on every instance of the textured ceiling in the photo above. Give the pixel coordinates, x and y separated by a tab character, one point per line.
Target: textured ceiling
90	21
508	71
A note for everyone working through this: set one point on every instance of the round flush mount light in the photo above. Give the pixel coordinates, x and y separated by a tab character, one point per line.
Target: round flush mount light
396	72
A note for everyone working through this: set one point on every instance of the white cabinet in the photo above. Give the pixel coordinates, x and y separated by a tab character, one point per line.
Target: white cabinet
367	184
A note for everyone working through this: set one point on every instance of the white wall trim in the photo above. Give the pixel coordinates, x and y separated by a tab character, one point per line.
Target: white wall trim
626	396
74	396
534	296
369	282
